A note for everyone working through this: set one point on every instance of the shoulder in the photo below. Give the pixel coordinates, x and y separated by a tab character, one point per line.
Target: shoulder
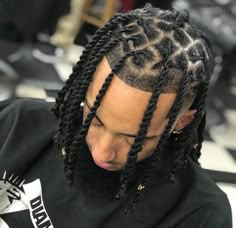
25	117
218	212
23	104
215	212
209	205
25	108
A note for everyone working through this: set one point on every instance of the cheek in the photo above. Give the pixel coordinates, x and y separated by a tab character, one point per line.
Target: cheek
92	136
148	150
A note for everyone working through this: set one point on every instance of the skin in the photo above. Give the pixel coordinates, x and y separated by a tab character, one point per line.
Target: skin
119	116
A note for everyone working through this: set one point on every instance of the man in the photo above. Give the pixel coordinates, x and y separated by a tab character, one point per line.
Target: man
130	123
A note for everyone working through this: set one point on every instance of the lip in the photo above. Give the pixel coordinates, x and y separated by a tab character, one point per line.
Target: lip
105	165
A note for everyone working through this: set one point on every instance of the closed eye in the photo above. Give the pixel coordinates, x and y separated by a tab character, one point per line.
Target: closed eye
96	124
147	138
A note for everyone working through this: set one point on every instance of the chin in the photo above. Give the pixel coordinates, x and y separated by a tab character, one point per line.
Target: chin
96	178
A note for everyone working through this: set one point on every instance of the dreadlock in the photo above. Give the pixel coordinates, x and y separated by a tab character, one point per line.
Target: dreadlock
152	50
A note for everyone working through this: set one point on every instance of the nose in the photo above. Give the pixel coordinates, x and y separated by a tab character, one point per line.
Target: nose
104	150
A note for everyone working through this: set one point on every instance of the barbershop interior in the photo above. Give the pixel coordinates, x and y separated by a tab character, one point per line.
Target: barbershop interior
40	41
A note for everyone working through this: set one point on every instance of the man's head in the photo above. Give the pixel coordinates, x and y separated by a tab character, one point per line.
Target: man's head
140	78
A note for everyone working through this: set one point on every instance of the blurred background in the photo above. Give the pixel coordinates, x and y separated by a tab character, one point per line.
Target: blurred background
40	41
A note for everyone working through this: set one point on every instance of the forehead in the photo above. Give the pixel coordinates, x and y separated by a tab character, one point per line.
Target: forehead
123	102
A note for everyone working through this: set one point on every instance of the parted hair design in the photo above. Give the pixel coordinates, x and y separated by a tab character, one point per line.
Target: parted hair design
152	50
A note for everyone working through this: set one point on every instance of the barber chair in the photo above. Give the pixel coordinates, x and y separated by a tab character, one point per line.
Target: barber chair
8	80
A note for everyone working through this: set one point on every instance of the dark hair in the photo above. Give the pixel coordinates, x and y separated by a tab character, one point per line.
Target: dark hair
153	50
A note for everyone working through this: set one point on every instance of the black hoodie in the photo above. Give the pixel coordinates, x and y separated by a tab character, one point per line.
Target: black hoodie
33	190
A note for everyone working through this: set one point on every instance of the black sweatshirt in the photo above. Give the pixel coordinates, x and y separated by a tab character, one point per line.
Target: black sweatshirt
33	190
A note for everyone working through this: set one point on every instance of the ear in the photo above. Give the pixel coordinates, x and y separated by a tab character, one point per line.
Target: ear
184	119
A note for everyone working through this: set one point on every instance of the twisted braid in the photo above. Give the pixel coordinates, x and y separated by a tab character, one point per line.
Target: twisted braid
62	104
199	122
180	157
153	160
200	131
136	147
109	26
91	48
186	137
72	99
78	97
71	155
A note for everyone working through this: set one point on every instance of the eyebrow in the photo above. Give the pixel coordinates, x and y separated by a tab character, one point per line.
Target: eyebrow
125	134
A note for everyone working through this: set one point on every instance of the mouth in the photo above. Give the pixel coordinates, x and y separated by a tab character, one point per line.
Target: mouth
106	166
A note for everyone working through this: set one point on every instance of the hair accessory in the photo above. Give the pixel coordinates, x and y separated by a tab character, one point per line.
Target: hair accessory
63	152
140	187
177	132
195	146
171	178
82	104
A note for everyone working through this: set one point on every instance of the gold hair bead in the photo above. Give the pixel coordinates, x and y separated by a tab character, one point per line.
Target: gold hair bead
140	187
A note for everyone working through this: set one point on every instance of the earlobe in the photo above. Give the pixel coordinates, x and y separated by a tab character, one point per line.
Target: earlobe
185	119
